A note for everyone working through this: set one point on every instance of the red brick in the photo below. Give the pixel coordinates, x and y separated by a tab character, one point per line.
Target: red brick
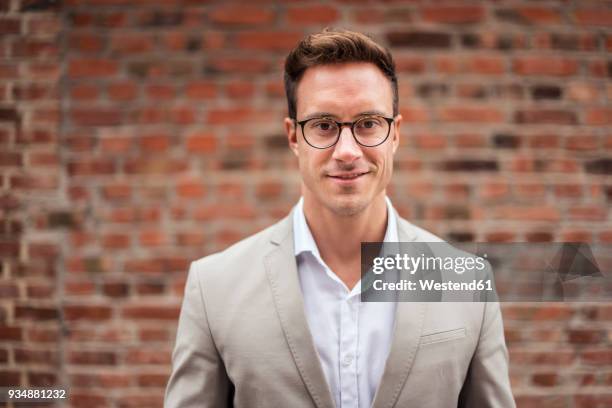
152	238
84	92
92	68
195	239
594	17
87	312
86	43
243	15
10	25
585	336
568	190
33	356
494	190
40	291
115	144
268	40
141	400
545	66
43	335
240	89
151	312
127	214
89	358
11	333
583	142
88	398
545	116
312	14
587	213
25	47
182	115
597	357
154	166
201	143
154	142
131	43
453	14
201	90
592	400
44	25
116	191
415	114
486	65
79	288
428	141
122	91
161	91
539	15
116	289
10	378
410	64
598	69
190	188
236	64
472	114
91	167
598	116
545	379
96	117
39	313
153	380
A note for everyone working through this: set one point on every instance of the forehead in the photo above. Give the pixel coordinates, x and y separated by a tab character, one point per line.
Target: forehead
345	90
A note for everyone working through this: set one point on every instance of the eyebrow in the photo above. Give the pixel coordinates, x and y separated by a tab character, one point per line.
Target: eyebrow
332	115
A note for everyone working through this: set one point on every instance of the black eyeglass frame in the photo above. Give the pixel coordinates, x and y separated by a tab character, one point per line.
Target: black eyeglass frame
343	124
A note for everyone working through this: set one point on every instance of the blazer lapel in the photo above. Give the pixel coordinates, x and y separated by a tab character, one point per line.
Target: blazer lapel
409	319
282	274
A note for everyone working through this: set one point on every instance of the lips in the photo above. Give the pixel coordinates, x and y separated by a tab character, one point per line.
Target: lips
348	176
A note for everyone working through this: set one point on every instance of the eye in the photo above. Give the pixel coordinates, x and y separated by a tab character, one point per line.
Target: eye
369	123
323	125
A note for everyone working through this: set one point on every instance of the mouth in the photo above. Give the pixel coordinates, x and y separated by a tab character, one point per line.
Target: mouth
348	177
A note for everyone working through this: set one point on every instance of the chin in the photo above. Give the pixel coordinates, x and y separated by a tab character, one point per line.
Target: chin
348	206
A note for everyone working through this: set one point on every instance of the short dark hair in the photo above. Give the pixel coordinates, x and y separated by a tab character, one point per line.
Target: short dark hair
332	46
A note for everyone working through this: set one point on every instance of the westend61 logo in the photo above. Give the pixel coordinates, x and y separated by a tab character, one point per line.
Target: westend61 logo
514	272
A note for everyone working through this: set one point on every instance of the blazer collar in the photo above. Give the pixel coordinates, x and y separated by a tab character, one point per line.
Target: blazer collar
409	319
281	270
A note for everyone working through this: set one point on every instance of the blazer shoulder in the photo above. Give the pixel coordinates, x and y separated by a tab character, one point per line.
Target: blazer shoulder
245	253
417	234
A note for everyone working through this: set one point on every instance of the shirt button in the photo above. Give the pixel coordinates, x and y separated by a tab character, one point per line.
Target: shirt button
348	359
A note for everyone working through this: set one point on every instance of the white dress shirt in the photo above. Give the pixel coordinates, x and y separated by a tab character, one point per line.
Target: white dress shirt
352	338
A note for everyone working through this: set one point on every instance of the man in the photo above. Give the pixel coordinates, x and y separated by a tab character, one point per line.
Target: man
276	320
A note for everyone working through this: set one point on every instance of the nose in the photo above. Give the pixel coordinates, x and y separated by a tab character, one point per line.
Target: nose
347	150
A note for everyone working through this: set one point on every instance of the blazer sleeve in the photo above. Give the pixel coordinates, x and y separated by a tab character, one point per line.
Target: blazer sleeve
487	383
198	377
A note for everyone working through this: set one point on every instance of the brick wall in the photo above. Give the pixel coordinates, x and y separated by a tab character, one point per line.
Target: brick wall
136	136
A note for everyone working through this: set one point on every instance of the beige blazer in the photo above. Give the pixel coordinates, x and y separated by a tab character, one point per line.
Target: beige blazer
243	339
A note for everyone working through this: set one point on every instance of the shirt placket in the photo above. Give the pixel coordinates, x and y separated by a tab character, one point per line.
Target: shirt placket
349	319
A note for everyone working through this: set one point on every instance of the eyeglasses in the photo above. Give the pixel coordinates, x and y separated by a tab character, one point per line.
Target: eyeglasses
368	131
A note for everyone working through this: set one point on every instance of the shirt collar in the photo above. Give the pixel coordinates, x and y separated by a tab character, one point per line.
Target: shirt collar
304	242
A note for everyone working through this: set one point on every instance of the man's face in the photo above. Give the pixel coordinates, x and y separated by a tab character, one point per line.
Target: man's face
347	177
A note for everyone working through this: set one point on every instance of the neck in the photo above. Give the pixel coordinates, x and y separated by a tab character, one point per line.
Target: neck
339	237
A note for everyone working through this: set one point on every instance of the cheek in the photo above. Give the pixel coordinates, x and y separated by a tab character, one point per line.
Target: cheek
386	166
310	164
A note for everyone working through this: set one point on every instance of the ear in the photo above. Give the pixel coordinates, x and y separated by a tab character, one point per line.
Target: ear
291	131
396	132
